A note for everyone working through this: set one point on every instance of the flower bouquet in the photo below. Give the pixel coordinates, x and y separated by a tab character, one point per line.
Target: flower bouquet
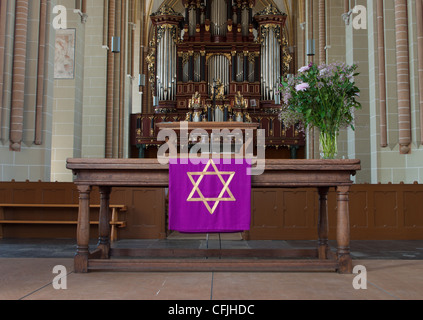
323	97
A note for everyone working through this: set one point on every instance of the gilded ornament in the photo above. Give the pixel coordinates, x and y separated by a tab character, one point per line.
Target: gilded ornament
270	10
166	10
206	173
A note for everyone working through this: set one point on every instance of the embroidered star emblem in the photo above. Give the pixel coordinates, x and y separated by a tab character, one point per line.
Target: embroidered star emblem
225	185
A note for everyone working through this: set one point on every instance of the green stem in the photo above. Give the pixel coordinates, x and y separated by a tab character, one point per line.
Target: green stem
329	145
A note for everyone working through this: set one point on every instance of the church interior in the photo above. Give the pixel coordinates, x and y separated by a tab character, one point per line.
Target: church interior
95	78
86	82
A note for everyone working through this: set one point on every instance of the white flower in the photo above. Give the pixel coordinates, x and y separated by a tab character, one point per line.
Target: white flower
302	86
304	69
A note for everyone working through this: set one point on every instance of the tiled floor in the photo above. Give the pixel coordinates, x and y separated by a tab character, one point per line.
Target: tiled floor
394	271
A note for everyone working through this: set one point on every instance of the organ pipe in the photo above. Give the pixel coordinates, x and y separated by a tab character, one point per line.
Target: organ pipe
245	22
278	67
197	68
192	22
219	18
218	66
174	68
245	65
170	73
165	62
270	51
267	66
172	79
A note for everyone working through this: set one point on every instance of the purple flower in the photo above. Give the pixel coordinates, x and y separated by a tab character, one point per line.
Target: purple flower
302	87
323	72
304	69
286	97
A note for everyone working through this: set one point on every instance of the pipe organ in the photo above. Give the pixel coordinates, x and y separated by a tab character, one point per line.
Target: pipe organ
165	43
216	53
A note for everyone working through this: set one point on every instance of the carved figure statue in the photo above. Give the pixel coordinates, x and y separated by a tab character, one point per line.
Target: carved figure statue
239	100
195	101
220	89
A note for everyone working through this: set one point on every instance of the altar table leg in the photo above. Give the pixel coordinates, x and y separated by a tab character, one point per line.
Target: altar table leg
83	230
343	231
104	222
323	227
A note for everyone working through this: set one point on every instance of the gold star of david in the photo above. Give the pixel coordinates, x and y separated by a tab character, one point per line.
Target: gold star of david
204	173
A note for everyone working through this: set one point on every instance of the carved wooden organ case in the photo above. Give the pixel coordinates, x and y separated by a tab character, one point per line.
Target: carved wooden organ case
220	62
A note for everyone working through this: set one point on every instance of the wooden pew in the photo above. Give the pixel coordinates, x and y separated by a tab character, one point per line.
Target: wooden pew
114	223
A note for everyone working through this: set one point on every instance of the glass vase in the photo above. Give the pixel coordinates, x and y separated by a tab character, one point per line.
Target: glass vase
328	145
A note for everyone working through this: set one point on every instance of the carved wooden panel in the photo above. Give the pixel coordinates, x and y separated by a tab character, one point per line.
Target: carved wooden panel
278	213
385	209
296	200
145	215
380	212
412	211
266	209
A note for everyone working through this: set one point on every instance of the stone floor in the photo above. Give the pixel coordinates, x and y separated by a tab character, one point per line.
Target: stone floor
394	272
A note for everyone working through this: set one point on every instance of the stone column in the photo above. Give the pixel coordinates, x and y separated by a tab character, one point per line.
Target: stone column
403	76
3	19
40	79
419	15
322	31
19	64
110	82
122	79
382	77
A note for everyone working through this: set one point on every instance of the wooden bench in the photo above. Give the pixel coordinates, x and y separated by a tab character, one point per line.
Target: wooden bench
114	223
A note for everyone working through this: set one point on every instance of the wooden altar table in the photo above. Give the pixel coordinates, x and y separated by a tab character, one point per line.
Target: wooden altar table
109	173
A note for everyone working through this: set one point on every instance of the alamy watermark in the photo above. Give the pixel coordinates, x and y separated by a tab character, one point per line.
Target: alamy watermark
60	281
360	280
60	21
359	17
